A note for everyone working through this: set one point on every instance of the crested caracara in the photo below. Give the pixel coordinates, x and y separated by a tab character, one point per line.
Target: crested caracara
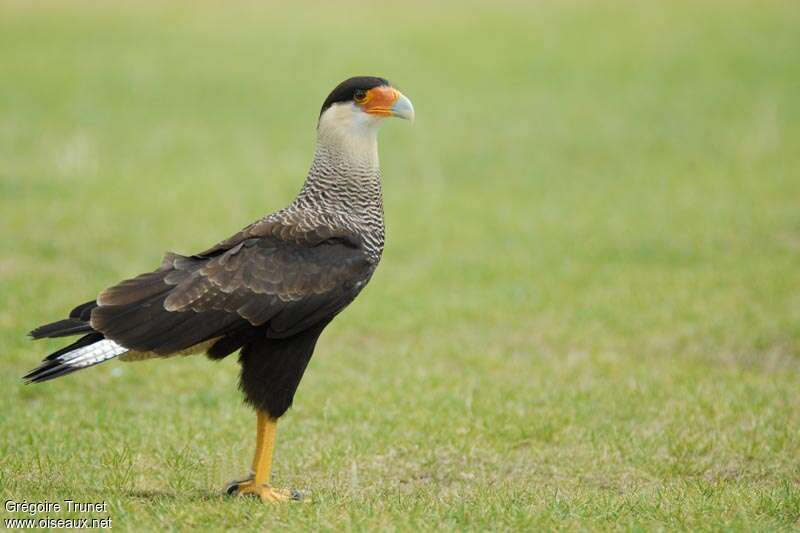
267	291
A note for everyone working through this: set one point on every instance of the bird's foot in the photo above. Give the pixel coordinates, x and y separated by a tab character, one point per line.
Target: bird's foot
266	493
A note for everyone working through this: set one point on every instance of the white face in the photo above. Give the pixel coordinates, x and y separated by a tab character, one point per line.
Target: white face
365	112
351	128
347	118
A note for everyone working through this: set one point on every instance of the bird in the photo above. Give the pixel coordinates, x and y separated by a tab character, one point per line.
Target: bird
268	291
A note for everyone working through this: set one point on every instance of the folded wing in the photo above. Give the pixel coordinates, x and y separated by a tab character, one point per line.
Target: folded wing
276	279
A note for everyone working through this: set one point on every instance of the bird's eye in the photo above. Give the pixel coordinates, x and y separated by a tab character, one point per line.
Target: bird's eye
360	95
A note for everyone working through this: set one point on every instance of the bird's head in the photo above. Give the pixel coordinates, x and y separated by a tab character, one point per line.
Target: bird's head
359	105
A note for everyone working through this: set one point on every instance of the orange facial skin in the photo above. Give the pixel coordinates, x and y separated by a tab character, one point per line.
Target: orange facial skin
379	101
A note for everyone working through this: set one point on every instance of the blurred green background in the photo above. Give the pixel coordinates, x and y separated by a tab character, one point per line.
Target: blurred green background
588	311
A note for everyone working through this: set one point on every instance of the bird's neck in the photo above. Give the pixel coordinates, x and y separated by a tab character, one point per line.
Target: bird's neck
345	175
343	187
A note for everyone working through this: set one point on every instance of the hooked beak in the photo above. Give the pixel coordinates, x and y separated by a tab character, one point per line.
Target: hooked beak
403	108
388	102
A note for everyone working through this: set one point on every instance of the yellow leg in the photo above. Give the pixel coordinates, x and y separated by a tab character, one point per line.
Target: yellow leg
266	428
258	485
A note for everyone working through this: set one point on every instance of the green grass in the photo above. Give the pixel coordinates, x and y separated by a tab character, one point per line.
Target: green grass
588	311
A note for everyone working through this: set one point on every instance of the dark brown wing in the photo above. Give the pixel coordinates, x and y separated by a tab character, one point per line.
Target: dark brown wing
277	277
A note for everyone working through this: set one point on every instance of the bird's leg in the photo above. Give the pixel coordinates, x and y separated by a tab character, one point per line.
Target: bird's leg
258	483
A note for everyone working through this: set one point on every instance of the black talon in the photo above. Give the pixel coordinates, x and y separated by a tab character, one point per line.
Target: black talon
232	488
300	495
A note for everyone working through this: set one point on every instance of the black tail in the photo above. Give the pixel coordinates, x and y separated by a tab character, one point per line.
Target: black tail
77	323
52	367
62	328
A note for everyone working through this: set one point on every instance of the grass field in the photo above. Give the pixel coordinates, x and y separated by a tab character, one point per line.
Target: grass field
588	311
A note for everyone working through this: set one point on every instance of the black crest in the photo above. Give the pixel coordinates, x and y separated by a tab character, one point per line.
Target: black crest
344	91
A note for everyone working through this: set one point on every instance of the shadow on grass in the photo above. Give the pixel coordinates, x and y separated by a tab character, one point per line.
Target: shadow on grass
191	496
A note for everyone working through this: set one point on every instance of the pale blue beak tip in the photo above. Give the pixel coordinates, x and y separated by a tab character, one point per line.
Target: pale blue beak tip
403	108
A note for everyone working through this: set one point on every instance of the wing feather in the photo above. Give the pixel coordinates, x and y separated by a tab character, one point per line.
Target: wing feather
276	277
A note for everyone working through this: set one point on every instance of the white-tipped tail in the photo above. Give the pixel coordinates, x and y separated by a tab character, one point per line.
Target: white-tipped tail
76	359
91	355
